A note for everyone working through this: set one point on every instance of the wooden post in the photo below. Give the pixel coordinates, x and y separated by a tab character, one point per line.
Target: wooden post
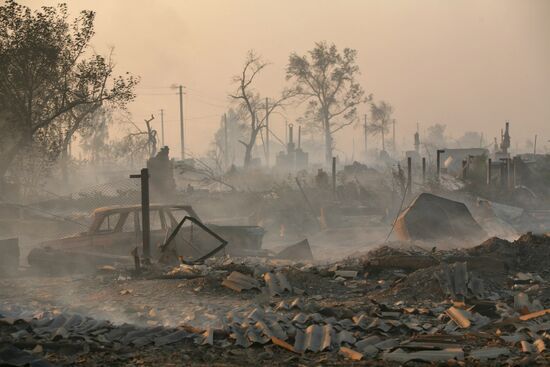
438	163
182	134
515	171
365	127
409	176
489	162
145	223
423	170
509	172
267	152
225	143
334	176
162	126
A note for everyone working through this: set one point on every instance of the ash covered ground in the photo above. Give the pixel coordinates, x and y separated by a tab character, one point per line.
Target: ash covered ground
295	207
392	305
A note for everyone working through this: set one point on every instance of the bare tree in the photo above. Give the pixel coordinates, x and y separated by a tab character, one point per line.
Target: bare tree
326	79
251	104
381	116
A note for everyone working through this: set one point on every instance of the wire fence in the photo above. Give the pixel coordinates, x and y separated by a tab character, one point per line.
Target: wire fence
56	216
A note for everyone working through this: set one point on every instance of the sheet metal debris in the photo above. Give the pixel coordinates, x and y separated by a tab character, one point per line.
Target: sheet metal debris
505	322
350	354
534	315
489	353
431	217
297	252
345	273
315	338
277	284
460	317
239	282
399	355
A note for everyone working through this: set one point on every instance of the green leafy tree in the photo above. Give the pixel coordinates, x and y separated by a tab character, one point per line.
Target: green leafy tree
327	80
49	82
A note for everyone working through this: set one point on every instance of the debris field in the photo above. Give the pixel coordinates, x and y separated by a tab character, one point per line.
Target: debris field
397	304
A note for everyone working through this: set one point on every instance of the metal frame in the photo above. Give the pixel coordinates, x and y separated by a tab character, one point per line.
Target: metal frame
203	227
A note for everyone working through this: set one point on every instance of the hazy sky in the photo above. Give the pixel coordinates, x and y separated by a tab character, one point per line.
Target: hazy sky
468	64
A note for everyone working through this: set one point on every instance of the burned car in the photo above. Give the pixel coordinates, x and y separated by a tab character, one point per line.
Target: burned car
115	233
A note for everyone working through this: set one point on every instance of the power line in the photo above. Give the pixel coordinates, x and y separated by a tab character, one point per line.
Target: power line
156	94
206	95
201	100
195	118
142	87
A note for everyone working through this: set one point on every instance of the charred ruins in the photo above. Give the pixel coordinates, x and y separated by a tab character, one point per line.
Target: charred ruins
273	247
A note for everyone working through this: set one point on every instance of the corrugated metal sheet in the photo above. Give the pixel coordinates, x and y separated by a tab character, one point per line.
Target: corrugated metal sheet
399	355
277	283
316	338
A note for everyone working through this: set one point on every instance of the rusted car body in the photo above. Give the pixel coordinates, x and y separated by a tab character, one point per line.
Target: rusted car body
116	231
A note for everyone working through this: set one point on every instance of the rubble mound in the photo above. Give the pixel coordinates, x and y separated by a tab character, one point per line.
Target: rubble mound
530	252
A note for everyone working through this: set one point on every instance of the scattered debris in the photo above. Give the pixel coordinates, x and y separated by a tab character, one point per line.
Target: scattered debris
460	317
345	273
351	354
489	353
239	282
450	311
277	284
399	355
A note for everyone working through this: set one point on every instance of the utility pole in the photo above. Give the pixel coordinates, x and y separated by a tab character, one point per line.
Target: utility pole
394	146
182	141
267	132
366	135
535	146
162	126
225	145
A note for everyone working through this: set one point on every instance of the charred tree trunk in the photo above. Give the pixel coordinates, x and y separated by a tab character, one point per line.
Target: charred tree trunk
328	146
328	137
249	147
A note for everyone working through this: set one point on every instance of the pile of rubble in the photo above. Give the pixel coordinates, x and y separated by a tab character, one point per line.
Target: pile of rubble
486	304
